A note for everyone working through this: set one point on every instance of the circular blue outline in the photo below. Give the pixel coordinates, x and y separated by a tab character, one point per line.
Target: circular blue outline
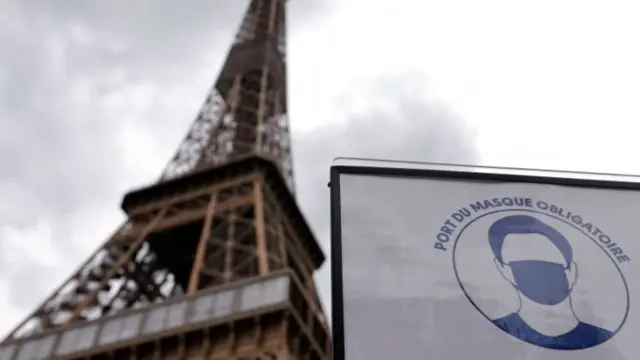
455	270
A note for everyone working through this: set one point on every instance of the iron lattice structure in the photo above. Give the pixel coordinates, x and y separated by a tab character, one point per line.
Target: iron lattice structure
245	111
215	260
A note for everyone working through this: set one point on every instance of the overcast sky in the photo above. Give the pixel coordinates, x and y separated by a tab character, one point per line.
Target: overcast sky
95	97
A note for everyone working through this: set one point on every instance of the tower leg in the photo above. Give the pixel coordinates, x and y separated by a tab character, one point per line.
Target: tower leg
200	252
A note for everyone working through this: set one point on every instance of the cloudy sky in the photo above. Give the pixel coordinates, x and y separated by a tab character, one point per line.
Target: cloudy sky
96	95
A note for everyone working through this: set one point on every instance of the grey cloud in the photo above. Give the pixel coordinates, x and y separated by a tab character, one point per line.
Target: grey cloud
59	146
157	38
60	151
50	144
62	67
397	124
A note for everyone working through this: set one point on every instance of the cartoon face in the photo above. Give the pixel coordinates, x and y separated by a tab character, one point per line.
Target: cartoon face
535	258
535	266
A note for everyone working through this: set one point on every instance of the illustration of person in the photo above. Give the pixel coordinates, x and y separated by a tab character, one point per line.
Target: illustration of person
543	275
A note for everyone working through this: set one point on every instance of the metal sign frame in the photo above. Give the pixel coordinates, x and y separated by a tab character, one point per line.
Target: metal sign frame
383	168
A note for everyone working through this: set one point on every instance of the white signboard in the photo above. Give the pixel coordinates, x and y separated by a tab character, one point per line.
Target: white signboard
432	264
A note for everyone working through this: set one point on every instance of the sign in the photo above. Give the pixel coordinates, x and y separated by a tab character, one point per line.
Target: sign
452	263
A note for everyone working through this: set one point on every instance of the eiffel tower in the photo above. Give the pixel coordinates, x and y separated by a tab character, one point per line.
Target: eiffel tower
215	260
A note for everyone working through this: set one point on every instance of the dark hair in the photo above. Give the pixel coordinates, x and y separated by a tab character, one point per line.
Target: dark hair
525	224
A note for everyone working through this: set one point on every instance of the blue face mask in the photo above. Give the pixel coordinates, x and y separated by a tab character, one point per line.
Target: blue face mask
541	281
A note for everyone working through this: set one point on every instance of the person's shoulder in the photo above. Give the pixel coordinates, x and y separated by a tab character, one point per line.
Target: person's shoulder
585	328
508	320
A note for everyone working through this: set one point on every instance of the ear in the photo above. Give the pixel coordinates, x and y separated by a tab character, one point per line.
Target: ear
505	271
572	274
